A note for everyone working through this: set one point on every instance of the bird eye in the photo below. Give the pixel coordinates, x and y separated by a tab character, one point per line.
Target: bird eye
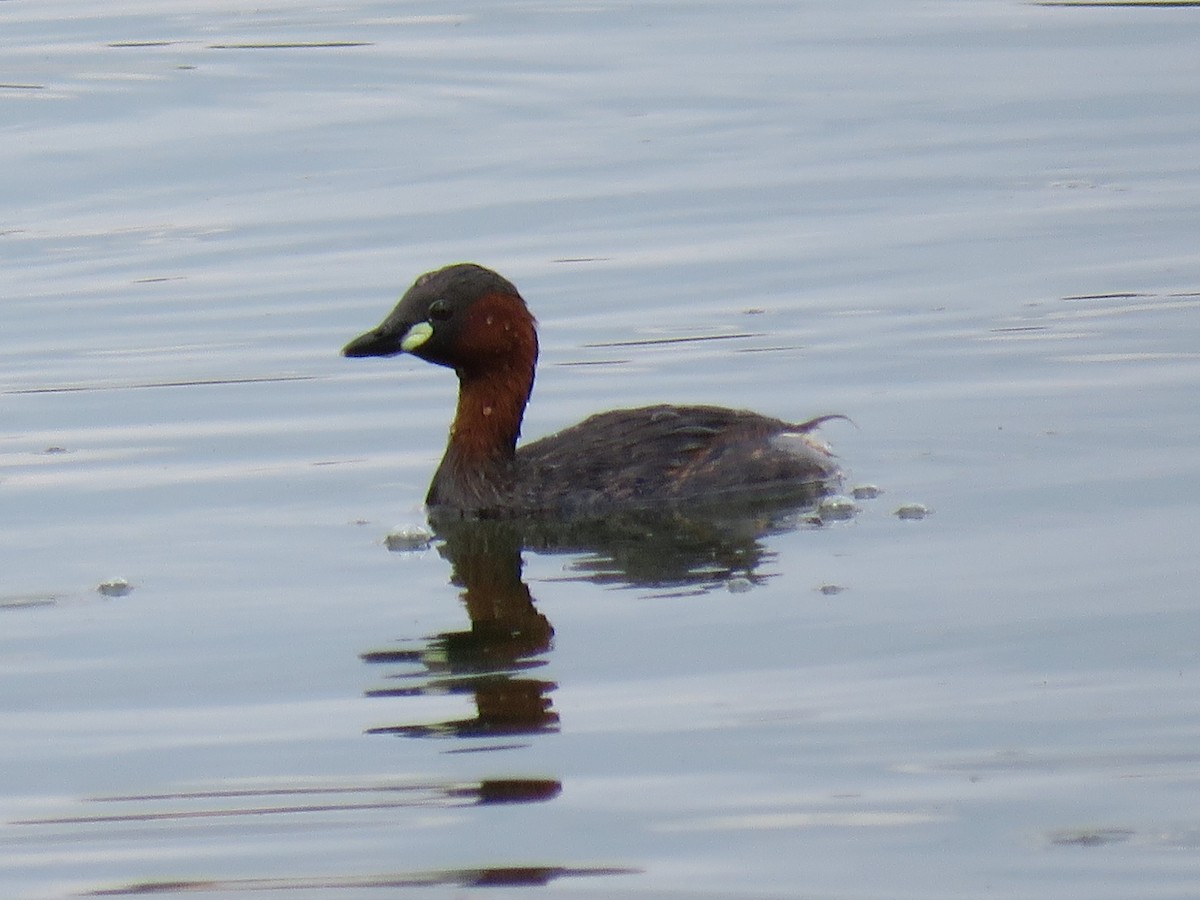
439	310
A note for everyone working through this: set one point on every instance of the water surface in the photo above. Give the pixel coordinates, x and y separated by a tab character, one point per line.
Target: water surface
969	226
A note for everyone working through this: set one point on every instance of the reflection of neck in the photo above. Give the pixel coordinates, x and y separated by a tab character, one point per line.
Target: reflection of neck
485	557
483	438
507	632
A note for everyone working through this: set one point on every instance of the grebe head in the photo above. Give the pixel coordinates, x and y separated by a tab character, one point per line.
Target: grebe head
464	316
470	319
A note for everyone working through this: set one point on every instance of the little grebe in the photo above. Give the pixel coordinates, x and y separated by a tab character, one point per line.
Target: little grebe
473	320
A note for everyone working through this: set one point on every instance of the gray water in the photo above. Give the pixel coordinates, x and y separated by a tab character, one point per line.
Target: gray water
970	226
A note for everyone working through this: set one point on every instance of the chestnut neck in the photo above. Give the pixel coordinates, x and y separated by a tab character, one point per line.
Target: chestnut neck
477	470
490	408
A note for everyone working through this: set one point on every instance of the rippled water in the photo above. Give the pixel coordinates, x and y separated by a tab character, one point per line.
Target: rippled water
970	226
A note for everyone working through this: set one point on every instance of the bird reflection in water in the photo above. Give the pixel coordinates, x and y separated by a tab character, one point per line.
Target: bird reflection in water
507	640
693	549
